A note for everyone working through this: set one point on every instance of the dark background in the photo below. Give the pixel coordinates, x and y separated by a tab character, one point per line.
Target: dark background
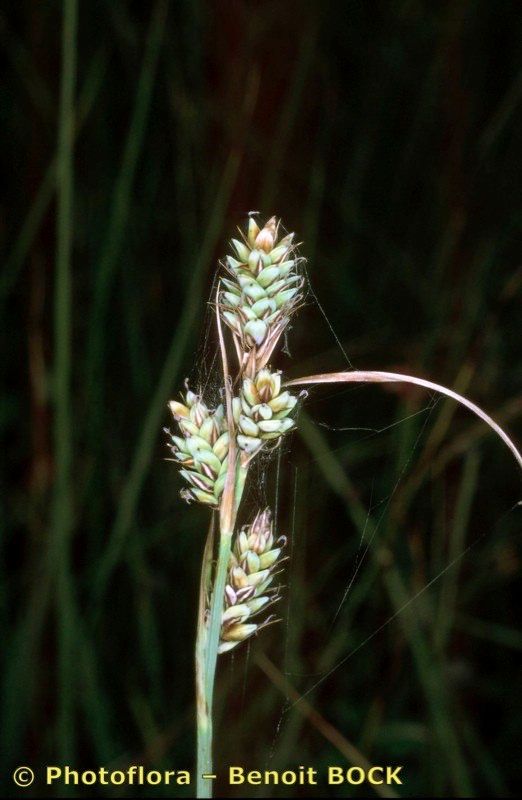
388	136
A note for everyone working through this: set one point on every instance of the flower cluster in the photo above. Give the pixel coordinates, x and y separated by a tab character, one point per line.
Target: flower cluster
253	563
201	449
261	412
261	292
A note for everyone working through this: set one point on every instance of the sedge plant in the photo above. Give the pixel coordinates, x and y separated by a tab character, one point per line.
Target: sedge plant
260	287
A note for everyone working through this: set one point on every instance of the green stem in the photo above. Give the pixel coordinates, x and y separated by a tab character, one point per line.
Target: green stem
208	643
204	716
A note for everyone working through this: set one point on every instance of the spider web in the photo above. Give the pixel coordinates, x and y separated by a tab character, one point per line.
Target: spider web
375	508
266	476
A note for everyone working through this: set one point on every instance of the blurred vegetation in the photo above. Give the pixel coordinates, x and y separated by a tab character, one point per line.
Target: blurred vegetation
388	135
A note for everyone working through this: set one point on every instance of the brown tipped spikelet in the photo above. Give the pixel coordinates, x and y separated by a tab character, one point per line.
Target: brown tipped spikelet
254	561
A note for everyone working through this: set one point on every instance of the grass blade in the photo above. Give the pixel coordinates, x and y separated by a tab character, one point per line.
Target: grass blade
62	518
378	376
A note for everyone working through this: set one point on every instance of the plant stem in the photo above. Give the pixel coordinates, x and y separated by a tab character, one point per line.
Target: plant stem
204	716
208	635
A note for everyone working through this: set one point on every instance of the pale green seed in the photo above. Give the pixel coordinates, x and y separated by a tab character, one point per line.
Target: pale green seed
238	612
246	280
232	321
220	447
264	307
242	543
264	586
248	443
248	426
250	392
253	230
279	402
255	261
252	561
257	330
208	429
254	291
247	313
263	410
207	457
257	604
267	276
257	577
219	484
233	263
232	299
180	443
278	253
231	286
269	558
282	298
270	425
275	287
198	480
236	409
196	443
242	250
204	497
285	268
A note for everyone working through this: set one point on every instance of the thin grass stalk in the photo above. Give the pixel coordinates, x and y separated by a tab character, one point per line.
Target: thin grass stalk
21	670
34	218
208	637
62	507
121	200
445	618
325	728
216	445
434	689
203	710
438	698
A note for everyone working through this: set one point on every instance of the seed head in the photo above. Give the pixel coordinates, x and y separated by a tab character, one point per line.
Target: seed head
201	449
249	589
261	292
262	413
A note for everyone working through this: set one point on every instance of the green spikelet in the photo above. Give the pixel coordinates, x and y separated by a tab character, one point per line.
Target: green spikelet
202	448
253	562
261	292
261	412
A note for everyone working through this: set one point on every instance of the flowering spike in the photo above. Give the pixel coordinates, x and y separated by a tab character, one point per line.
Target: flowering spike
202	450
251	570
261	292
